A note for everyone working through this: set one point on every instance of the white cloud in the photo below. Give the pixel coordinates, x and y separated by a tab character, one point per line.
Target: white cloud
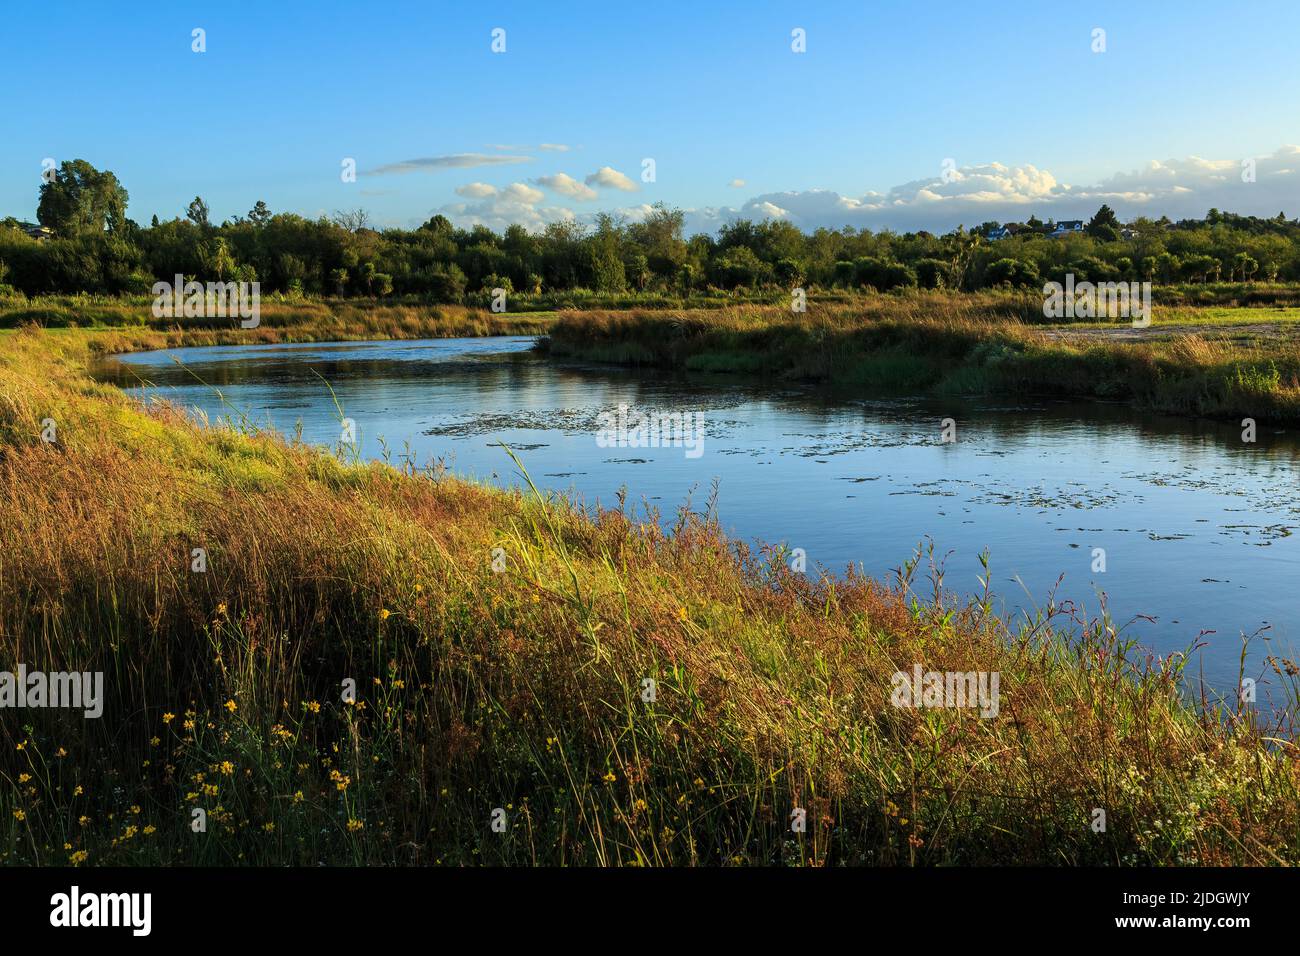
498	214
555	147
1178	188
517	203
521	193
566	185
476	190
737	184
609	178
451	161
767	210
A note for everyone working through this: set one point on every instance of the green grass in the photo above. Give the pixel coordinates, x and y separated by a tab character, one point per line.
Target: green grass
520	687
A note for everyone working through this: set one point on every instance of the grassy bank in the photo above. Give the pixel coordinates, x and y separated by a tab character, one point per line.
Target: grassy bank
133	326
523	689
972	344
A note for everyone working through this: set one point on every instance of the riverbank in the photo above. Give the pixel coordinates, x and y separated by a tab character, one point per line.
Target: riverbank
943	345
1219	362
128	325
523	688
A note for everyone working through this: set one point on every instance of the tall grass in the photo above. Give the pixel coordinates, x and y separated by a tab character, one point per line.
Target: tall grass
938	343
280	320
524	689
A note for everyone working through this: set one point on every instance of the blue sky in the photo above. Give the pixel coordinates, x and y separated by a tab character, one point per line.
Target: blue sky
854	131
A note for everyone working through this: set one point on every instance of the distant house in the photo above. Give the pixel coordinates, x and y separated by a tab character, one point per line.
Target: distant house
1066	227
37	232
1001	232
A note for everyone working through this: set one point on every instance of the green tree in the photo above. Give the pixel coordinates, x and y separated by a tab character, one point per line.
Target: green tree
1245	264
197	213
82	199
1098	226
220	262
931	273
1007	271
439	225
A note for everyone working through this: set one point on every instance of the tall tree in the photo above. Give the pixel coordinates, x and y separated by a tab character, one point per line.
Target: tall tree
1104	217
197	213
82	199
352	220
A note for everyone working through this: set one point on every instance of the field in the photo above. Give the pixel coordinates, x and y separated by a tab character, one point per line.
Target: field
394	666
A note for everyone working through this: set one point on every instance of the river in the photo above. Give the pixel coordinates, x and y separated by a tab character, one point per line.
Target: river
1195	524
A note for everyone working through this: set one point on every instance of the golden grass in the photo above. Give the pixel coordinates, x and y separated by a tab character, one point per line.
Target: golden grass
523	689
977	344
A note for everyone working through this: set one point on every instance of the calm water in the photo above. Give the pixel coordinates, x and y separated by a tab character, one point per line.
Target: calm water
1196	526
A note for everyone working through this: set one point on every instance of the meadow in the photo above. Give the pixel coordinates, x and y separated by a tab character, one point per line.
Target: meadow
391	665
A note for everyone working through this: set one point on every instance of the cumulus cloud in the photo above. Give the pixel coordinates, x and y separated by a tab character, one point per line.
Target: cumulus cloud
609	178
476	190
516	193
521	193
498	214
969	195
566	185
1177	188
451	161
516	204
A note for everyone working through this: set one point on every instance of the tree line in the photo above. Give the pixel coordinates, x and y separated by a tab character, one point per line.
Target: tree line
92	246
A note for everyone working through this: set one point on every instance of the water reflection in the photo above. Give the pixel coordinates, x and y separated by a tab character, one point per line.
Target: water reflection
1195	525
